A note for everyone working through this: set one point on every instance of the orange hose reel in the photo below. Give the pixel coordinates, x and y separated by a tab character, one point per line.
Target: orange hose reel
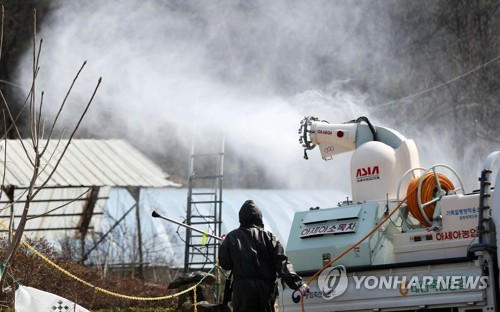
427	193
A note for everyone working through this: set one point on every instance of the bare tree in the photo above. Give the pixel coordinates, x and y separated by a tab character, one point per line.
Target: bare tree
34	147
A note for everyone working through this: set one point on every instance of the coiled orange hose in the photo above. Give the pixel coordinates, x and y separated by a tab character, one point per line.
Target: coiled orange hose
427	193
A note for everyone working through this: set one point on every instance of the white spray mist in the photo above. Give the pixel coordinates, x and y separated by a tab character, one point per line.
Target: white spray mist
250	70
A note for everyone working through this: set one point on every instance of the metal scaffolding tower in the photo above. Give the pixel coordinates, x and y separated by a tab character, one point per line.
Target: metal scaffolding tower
204	207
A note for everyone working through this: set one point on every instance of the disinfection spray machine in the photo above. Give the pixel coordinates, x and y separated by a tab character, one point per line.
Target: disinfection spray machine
409	238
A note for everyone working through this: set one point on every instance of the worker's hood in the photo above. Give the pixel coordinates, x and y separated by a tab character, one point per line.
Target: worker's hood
250	215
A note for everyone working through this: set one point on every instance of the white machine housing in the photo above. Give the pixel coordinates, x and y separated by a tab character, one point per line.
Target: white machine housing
381	155
376	170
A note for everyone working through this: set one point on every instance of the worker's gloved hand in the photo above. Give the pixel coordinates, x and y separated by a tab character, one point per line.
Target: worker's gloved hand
223	236
304	289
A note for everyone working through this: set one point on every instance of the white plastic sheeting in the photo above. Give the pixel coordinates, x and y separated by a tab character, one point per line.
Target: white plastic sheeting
164	240
29	299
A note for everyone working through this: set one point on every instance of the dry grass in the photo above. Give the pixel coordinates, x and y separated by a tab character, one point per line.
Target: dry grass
29	270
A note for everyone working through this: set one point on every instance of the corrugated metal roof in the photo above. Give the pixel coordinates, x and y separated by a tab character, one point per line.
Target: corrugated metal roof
87	162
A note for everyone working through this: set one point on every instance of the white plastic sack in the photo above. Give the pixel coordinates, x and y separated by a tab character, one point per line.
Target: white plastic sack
30	299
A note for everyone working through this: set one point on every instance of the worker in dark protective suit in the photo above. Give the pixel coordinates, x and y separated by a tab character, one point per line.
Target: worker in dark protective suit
256	259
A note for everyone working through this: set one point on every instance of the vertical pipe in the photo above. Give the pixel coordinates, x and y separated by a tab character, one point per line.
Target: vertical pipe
188	222
139	237
136	193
